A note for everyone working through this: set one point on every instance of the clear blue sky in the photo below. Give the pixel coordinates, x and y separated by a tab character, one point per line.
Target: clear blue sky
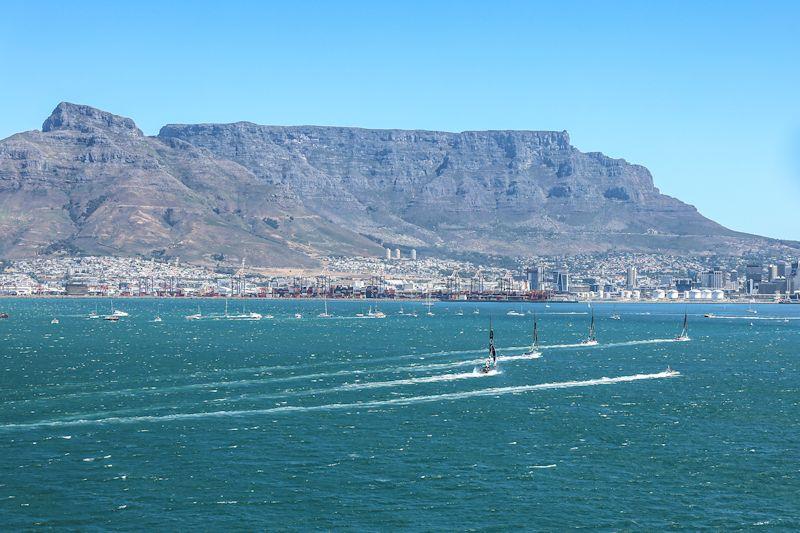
705	94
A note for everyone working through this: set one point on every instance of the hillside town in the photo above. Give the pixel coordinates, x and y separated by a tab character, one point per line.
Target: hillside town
610	276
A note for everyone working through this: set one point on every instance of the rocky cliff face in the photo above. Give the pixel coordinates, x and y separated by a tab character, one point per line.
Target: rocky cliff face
91	182
510	192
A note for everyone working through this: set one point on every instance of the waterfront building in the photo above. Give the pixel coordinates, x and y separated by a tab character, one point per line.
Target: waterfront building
535	278
631	282
561	280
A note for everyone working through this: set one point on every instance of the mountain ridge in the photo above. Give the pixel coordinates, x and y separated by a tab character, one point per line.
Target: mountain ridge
287	195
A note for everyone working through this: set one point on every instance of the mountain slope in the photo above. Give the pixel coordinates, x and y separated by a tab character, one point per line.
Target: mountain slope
91	182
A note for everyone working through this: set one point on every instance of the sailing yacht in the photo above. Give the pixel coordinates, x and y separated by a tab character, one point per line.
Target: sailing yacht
535	344
491	360
94	314
196	316
117	312
378	313
460	312
592	339
515	313
244	315
684	336
614	314
750	308
429	303
325	313
476	312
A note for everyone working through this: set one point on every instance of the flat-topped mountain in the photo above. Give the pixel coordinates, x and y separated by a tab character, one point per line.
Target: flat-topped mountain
91	182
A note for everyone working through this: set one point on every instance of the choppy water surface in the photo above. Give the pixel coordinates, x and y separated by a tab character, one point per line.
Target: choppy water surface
345	422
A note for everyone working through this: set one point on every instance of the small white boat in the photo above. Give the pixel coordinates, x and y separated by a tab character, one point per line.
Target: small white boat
476	312
54	321
111	318
157	319
515	313
298	315
460	312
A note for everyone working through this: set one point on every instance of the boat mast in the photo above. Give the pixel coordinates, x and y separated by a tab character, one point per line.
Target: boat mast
591	328
535	333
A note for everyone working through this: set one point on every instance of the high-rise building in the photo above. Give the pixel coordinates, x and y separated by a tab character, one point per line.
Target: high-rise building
631	282
754	272
536	278
784	268
561	280
397	253
793	278
714	279
413	254
772	272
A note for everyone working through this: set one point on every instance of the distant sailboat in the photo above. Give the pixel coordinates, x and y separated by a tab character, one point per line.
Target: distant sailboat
196	316
429	303
535	343
54	321
117	312
476	311
614	314
491	361
325	313
684	336
592	339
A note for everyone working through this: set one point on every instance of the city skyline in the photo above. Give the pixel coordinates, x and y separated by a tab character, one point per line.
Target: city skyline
683	96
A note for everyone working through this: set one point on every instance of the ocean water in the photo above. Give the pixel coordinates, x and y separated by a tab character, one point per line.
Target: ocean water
383	424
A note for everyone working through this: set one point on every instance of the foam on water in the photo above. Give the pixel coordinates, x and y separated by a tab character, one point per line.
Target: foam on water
497	391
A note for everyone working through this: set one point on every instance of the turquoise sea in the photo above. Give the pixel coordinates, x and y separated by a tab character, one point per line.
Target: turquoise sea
383	424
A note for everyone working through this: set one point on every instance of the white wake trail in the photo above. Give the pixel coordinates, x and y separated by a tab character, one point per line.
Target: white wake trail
496	391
